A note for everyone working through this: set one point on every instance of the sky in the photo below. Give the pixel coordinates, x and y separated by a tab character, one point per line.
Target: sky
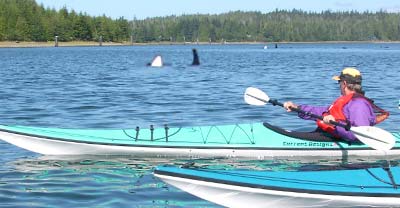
141	9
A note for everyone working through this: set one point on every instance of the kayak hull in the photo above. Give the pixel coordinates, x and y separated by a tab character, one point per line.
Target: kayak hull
233	196
244	140
224	189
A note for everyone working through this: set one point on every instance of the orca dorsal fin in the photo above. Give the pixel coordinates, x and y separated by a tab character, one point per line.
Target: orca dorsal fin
196	60
157	62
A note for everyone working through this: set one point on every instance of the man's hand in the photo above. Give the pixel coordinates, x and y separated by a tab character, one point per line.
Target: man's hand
289	105
328	118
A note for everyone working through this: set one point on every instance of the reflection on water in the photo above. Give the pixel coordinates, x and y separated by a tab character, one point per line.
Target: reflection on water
84	182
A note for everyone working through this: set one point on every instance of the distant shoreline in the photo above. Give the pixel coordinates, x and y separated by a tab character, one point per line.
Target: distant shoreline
23	44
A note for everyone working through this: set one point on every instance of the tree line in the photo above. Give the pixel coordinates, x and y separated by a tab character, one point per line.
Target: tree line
25	20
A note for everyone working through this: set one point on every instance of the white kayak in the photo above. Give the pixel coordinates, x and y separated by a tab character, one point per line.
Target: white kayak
374	187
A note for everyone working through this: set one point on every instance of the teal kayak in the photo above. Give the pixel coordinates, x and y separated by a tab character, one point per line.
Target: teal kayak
258	140
374	187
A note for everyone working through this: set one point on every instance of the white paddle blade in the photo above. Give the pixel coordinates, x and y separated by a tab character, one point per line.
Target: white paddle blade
254	96
374	137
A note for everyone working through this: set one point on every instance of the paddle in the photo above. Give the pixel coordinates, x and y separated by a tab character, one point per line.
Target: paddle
372	136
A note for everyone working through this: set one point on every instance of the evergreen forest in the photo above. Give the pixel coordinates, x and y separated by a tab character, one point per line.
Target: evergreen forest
25	20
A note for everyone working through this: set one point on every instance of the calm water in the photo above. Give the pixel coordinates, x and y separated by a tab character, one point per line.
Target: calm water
110	87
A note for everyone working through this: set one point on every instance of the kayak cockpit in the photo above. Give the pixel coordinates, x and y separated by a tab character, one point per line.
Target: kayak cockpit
316	136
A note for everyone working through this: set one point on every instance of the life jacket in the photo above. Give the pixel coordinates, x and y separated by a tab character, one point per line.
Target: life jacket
336	110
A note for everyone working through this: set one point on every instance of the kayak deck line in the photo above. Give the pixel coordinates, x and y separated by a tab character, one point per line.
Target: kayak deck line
390	174
231	135
170	142
204	135
397	135
137	129
255	140
161	145
137	132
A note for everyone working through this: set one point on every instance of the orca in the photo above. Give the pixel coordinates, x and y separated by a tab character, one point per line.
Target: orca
196	60
156	62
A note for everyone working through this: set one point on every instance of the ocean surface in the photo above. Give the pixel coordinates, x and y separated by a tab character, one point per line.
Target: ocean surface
111	87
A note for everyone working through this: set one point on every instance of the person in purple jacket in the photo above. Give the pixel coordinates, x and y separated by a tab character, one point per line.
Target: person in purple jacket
352	108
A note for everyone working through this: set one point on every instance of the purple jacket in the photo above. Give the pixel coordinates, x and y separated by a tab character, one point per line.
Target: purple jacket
358	112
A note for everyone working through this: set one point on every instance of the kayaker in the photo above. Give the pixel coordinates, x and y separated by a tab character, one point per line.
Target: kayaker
352	108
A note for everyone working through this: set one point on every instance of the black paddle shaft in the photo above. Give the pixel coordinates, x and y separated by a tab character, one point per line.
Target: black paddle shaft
298	110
